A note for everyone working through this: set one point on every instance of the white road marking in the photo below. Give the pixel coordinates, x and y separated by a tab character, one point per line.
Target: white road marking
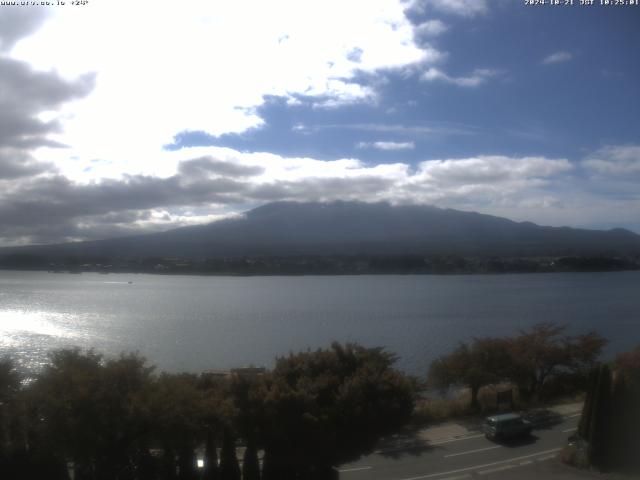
473	451
546	457
469	437
354	469
459	477
476	467
497	469
574	415
526	462
569	430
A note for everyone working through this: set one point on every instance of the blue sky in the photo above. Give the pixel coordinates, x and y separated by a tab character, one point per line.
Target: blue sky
527	112
585	99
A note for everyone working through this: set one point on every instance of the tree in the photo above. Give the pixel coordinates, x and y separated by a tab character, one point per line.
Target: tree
599	431
628	364
124	444
229	468
250	462
9	388
483	362
11	442
611	414
176	405
72	424
248	395
107	417
626	409
544	351
587	409
85	410
217	413
211	471
330	406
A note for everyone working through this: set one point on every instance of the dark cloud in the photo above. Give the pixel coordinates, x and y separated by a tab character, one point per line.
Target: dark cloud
55	199
16	163
17	22
205	166
24	94
83	228
53	208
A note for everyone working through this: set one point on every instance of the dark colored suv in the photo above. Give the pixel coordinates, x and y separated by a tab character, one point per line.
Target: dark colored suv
507	425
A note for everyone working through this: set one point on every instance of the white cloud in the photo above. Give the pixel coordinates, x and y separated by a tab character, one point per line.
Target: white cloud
557	57
617	160
464	8
477	77
337	93
494	170
430	28
389	146
433	128
164	67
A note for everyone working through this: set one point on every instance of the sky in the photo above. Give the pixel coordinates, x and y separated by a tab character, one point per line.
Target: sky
120	117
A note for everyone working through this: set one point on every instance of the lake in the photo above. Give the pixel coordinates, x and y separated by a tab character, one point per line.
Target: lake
194	323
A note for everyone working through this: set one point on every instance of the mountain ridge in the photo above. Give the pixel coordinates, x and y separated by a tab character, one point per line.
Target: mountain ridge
351	228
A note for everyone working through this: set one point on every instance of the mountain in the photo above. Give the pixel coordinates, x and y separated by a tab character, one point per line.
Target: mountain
289	228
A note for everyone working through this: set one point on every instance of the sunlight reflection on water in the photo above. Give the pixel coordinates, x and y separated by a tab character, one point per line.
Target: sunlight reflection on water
16	323
29	335
39	329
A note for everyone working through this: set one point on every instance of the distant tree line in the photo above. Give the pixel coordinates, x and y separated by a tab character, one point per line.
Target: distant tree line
90	418
320	264
541	362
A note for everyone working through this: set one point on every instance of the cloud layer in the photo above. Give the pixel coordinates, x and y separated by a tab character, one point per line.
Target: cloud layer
621	160
215	179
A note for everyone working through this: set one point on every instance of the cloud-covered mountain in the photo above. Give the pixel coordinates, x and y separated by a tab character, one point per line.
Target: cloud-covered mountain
290	228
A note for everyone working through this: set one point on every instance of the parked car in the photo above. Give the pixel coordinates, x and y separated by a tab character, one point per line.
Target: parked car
505	426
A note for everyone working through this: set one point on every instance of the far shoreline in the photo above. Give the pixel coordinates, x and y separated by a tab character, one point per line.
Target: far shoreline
331	264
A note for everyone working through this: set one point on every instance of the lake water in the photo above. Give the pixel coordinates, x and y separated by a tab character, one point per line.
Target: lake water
195	323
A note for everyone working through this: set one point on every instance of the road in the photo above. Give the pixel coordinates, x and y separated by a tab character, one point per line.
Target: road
471	456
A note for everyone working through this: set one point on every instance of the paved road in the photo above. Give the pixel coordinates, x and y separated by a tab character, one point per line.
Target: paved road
471	456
